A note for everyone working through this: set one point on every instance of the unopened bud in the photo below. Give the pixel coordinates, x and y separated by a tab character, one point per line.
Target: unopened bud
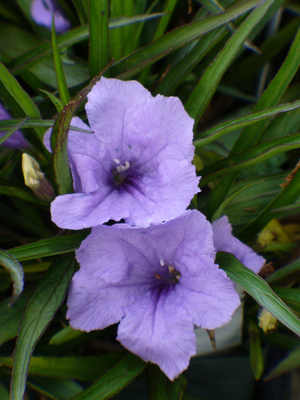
35	179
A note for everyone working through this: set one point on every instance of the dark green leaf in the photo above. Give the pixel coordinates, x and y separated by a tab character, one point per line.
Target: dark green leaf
161	388
83	368
39	312
285	272
54	388
99	36
49	247
230	126
291	362
256	355
257	288
203	92
13	130
59	71
114	380
250	157
31	123
16	272
64	335
177	38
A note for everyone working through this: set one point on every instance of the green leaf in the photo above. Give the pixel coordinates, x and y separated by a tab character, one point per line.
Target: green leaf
22	194
83	368
30	123
256	355
291	296
59	140
59	71
20	96
253	134
161	388
288	195
4	393
64	335
203	92
54	388
114	380
40	310
13	130
257	288
10	317
230	126
177	38
58	104
99	36
250	157
220	210
72	36
16	273
291	362
283	273
49	247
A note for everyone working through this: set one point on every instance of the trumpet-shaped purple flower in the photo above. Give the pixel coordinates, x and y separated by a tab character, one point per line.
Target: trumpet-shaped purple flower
137	163
158	281
16	140
41	12
225	241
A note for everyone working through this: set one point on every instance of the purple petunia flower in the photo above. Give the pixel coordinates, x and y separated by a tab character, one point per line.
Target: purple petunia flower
41	12
225	241
16	140
158	281
137	163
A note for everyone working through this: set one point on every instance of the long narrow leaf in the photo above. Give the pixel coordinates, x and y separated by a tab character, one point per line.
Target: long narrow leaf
203	92
99	36
16	272
177	38
59	71
259	290
49	247
114	380
39	312
250	157
230	126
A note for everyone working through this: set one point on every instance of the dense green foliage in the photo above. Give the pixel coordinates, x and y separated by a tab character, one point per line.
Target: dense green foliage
235	67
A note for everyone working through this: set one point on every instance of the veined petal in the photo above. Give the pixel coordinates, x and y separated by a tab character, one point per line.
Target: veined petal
157	331
208	297
225	241
111	104
94	304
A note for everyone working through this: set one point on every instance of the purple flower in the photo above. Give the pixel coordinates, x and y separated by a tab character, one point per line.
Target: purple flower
16	140
158	281
137	163
41	12
225	241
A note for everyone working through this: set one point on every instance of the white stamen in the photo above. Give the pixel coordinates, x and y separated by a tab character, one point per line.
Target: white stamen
116	161
171	269
162	263
127	165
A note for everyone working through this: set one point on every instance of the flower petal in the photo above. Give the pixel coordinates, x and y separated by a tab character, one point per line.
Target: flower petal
94	304
208	297
157	331
225	241
111	104
41	12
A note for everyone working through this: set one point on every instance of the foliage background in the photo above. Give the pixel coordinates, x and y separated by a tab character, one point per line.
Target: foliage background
235	66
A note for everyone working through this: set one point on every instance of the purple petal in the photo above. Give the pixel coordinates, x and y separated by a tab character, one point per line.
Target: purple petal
225	241
16	140
157	331
41	12
94	304
149	138
208	296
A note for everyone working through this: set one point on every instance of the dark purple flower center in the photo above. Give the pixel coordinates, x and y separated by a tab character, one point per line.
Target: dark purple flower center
167	274
124	174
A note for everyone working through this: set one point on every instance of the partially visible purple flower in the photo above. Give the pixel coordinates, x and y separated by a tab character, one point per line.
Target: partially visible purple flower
137	163
16	140
41	12
225	241
158	281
